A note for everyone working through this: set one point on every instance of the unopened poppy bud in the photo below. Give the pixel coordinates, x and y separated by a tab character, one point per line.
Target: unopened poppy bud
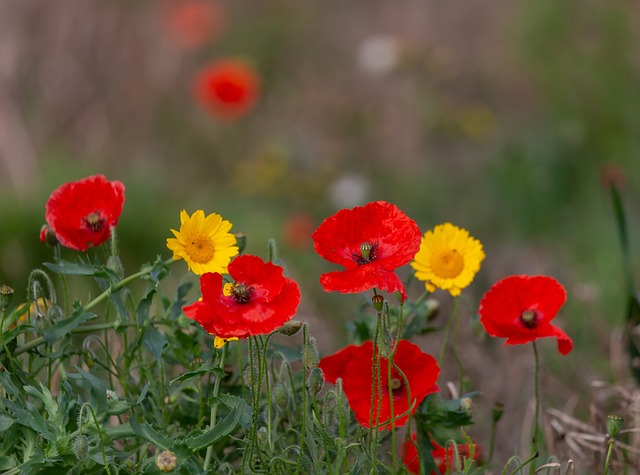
6	295
241	241
365	250
47	236
291	328
310	354
378	302
89	361
166	461
386	343
81	447
466	404
315	381
281	397
497	411
54	313
114	264
614	425
42	322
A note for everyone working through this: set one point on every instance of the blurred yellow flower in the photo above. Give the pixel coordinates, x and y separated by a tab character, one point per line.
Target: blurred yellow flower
449	259
205	243
220	342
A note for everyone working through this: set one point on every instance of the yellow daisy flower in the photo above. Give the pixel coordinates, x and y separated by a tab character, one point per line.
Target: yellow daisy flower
449	259
205	243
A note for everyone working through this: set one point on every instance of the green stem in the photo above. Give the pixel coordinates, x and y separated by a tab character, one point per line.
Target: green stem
446	332
214	407
492	440
268	390
534	438
99	429
4	345
608	459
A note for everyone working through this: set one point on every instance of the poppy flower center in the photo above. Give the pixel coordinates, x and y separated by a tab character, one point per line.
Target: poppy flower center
240	292
447	264
529	318
368	253
94	221
229	91
200	248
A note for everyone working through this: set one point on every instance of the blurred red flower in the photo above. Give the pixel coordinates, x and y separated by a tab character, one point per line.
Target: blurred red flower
261	299
520	308
370	242
191	23
297	230
353	365
81	213
442	457
228	88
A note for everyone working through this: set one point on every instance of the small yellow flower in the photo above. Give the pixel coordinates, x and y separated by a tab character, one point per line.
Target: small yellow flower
449	259
205	243
220	342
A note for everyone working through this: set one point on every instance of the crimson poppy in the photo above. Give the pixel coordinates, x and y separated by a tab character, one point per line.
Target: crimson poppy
353	365
259	301
370	242
82	213
520	308
442	457
228	88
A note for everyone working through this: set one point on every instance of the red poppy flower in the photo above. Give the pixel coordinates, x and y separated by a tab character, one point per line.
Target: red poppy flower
191	23
442	457
520	308
353	365
81	213
370	242
261	299
228	88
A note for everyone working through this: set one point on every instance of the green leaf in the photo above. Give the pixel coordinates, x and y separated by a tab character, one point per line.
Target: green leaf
63	327
156	271
6	421
142	310
97	390
222	428
149	434
204	369
154	341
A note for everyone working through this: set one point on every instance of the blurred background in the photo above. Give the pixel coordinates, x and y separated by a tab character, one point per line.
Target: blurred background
505	118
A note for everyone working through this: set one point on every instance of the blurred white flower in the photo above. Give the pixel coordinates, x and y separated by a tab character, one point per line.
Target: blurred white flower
348	191
379	54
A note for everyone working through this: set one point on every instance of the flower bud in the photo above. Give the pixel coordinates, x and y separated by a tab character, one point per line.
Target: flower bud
166	461
247	375
54	313
281	396
241	241
310	354
81	447
315	381
291	328
111	395
378	302
47	236
497	411
614	425
466	404
6	295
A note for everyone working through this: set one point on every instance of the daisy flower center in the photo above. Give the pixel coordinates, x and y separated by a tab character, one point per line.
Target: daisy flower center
448	264
95	221
529	318
200	248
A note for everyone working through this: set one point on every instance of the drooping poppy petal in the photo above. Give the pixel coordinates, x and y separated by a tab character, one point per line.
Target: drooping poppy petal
520	309
370	242
260	301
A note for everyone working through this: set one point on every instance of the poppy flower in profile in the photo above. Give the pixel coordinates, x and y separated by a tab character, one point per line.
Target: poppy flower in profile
443	458
259	300
191	23
228	88
82	213
353	365
370	242
520	308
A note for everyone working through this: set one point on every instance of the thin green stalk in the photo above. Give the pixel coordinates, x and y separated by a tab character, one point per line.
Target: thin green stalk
268	390
446	332
4	345
456	356
214	407
534	438
375	392
492	440
305	402
608	459
99	429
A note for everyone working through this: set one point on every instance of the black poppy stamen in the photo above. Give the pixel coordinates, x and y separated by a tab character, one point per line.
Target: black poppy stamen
242	293
95	221
529	319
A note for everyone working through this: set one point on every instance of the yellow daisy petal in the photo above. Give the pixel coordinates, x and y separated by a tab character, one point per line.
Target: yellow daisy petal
449	259
205	243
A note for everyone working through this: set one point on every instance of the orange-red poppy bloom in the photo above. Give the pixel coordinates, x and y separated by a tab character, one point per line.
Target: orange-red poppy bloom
191	23
228	88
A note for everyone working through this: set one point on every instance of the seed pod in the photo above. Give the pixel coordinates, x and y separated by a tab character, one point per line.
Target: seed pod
614	425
